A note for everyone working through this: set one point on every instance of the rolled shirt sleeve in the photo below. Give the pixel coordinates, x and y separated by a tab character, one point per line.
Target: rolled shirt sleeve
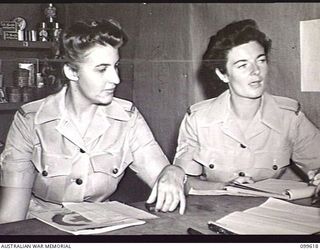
148	158
306	143
16	168
187	145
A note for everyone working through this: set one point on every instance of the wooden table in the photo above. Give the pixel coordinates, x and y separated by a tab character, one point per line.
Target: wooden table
170	227
200	209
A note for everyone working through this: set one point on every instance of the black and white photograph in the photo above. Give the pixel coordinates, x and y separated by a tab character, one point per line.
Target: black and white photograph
159	122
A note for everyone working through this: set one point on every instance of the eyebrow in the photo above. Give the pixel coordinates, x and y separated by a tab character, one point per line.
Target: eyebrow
244	60
106	64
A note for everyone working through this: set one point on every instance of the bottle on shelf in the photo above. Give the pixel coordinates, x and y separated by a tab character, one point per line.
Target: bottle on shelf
50	13
56	32
43	32
40	90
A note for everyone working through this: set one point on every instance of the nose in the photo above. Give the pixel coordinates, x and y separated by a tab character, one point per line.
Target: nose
255	69
113	76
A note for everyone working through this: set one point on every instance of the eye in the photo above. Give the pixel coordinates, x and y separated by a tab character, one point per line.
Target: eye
262	60
102	69
242	66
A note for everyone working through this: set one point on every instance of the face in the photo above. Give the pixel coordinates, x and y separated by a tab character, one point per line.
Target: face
98	74
247	69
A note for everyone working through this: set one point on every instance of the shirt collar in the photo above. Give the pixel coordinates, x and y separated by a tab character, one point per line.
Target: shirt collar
270	112
53	108
219	111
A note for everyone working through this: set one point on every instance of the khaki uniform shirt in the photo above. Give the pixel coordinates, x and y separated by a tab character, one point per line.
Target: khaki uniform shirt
211	143
45	152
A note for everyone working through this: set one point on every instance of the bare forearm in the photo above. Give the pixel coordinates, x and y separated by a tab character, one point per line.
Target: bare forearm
196	183
14	203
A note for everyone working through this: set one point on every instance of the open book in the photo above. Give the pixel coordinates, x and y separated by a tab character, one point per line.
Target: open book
93	218
277	188
272	217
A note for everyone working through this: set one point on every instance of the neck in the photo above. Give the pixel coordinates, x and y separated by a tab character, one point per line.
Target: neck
245	108
78	106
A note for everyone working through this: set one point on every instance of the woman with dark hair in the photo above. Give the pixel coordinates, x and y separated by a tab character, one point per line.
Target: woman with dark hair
245	134
74	146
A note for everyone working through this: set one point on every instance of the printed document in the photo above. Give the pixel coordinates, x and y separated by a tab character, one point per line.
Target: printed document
273	217
277	188
93	218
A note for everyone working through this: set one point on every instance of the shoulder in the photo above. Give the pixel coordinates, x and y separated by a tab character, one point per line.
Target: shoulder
125	104
288	104
29	108
203	105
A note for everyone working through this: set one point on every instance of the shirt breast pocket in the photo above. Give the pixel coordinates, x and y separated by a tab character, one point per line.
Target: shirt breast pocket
113	164
51	165
271	164
217	165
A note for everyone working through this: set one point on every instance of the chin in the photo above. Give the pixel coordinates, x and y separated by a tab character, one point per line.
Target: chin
104	101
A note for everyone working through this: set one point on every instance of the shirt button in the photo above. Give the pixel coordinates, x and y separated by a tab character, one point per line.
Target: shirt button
82	151
115	171
211	166
242	174
243	146
79	181
44	173
274	167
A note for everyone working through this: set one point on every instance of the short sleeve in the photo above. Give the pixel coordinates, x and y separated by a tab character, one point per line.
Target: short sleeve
187	145
16	168
306	143
148	158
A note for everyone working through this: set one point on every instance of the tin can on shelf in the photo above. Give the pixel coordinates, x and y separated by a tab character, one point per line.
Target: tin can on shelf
27	94
22	77
14	94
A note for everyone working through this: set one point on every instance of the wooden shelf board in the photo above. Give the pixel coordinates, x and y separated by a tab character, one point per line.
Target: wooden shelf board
10	106
13	44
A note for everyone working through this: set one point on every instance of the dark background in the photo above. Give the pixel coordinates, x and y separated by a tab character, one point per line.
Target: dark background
160	70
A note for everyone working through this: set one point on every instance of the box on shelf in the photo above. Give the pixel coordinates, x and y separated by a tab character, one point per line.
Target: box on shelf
8	35
10	26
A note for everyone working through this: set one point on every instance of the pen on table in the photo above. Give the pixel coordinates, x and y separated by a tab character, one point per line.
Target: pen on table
192	231
218	229
312	179
316	198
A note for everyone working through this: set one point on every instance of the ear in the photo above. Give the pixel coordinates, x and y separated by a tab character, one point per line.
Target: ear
223	77
70	73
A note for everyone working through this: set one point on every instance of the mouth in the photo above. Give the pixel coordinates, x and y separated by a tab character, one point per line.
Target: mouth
256	84
109	90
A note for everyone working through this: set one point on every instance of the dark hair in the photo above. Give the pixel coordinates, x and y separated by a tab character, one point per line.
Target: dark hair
232	35
82	36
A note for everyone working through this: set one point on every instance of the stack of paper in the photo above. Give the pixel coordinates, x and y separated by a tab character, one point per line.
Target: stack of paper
93	218
273	217
282	189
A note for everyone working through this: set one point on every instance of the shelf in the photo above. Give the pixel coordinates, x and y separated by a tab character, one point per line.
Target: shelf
13	44
10	106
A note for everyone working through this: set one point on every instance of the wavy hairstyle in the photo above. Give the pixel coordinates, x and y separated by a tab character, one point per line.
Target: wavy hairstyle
232	35
82	36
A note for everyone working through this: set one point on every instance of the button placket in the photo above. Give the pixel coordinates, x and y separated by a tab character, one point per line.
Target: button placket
77	181
242	145
275	166
242	174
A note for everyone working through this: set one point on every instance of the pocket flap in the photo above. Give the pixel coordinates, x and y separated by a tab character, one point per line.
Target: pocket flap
205	156
111	164
54	165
